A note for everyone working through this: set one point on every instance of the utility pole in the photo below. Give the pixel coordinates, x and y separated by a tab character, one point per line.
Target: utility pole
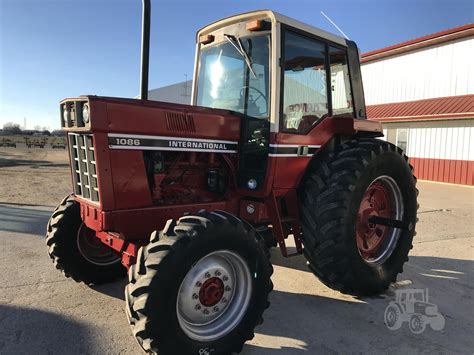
186	95
185	85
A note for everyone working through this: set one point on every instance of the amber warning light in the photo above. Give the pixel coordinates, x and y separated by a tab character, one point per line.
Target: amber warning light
206	39
255	25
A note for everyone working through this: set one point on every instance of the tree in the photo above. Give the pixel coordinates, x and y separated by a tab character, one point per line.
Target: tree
58	133
11	128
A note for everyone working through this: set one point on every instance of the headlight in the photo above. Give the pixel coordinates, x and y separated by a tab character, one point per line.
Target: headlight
252	184
65	115
85	113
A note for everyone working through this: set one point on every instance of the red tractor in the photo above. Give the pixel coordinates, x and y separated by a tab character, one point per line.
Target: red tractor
189	199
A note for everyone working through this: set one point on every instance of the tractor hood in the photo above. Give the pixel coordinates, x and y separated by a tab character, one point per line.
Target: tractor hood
132	126
145	122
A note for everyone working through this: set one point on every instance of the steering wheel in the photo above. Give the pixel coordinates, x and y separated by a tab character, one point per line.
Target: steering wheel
254	100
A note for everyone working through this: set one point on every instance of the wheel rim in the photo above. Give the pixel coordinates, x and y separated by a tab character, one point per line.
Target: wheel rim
92	249
382	198
214	296
416	324
391	317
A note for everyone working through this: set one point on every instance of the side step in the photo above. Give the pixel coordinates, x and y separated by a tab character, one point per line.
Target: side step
287	225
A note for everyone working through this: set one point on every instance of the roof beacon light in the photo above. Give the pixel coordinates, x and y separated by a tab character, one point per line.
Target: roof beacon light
255	25
206	39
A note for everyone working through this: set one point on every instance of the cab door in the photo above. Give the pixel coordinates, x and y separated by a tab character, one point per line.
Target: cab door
315	87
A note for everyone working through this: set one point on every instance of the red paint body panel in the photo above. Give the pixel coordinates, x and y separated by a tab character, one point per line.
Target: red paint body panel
129	211
130	182
104	171
443	170
139	223
290	170
151	118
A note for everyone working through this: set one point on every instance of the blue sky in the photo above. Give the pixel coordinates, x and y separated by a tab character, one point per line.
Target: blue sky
51	49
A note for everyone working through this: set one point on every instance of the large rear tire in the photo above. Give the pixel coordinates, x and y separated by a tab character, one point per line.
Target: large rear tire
199	287
76	251
339	195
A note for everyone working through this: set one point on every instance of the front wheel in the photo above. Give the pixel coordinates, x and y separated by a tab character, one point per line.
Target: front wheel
417	324
199	287
358	207
76	251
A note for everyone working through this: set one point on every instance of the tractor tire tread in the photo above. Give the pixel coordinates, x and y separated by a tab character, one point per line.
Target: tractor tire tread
324	194
173	239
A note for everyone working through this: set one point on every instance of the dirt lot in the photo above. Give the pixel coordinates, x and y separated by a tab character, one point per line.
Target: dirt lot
34	176
41	312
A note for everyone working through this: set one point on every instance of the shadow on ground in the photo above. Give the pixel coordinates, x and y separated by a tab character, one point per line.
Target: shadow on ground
8	163
32	331
299	323
297	262
115	290
23	220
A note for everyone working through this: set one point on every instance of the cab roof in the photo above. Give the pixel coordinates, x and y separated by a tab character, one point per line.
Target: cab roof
274	17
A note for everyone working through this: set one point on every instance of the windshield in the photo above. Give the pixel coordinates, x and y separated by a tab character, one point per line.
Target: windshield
236	80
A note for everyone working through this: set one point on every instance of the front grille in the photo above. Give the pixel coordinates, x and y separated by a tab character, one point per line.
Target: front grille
83	166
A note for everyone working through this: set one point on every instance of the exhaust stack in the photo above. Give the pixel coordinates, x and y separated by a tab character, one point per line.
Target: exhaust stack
145	53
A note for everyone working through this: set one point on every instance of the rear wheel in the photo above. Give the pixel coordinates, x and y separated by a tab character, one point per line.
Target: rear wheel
76	251
358	207
382	198
199	287
393	317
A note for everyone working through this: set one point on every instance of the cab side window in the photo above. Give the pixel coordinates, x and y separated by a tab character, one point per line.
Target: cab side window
341	95
305	100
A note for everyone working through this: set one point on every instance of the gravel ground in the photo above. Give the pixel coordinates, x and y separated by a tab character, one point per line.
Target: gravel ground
34	176
42	312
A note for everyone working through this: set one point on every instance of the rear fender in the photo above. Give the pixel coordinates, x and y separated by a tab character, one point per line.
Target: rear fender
345	129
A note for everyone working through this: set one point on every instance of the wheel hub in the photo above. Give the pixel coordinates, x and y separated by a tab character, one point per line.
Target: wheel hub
211	292
214	295
92	249
381	199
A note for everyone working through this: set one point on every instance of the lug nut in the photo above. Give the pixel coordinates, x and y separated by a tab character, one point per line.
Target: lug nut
218	273
197	307
198	284
205	311
224	300
216	309
195	296
227	288
225	278
207	275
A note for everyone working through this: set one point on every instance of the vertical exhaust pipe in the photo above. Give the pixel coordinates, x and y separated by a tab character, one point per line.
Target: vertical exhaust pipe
145	55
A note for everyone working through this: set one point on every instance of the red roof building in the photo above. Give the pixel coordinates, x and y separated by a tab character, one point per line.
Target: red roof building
440	108
422	91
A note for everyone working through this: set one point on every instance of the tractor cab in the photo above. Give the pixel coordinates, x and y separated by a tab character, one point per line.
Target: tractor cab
268	66
285	78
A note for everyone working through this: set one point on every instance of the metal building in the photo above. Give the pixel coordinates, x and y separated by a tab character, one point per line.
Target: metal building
179	93
423	93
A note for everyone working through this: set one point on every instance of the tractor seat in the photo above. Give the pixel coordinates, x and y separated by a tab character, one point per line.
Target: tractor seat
307	122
